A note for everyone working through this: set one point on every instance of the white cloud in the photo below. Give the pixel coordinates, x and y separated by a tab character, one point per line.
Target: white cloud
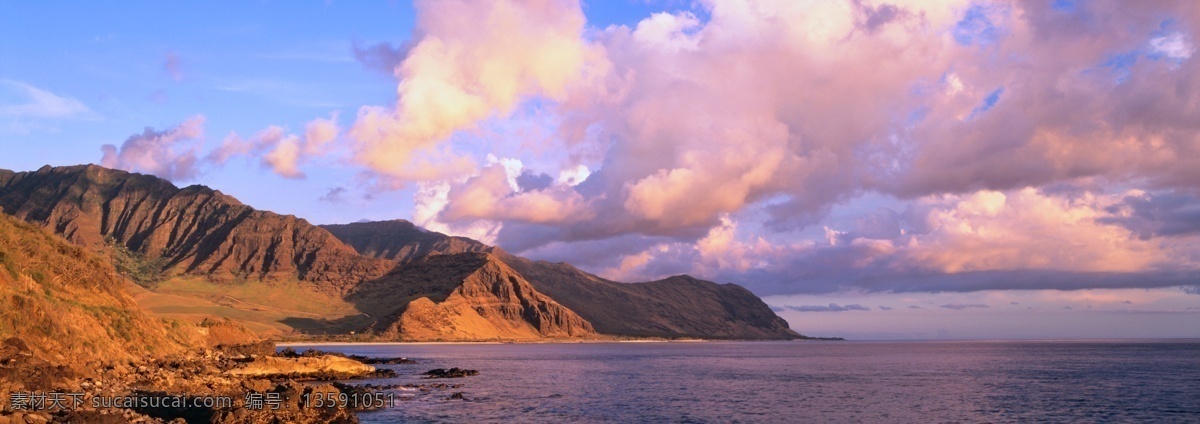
24	101
1174	46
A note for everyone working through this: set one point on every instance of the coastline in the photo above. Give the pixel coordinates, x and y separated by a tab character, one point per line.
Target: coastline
282	344
294	343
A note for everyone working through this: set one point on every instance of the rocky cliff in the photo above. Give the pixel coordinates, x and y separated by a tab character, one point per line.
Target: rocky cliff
193	230
465	296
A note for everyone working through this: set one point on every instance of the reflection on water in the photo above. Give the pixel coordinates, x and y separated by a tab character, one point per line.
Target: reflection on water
800	381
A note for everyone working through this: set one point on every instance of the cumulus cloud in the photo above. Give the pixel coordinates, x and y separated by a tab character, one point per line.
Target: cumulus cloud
170	153
1016	144
470	61
946	112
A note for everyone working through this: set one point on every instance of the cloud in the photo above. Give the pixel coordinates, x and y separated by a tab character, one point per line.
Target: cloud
471	61
528	181
173	66
980	144
334	195
170	153
21	100
381	57
1173	46
1021	239
492	194
885	308
832	307
948	112
961	306
279	150
1150	215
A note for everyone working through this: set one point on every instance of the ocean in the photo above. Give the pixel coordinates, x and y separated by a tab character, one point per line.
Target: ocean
788	382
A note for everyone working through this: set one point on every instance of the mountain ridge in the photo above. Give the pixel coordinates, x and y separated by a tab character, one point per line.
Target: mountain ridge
199	231
196	230
644	309
465	296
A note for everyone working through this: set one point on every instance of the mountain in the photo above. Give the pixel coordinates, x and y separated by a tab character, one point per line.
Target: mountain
194	230
464	296
679	306
68	305
203	253
400	240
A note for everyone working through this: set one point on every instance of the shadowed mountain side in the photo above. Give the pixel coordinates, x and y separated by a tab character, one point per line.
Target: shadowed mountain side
195	230
400	240
679	306
465	296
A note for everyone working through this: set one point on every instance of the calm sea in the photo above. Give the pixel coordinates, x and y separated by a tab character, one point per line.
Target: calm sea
1074	381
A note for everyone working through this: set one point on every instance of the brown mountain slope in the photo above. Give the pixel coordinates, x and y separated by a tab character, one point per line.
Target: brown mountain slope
465	296
68	305
679	306
194	230
400	240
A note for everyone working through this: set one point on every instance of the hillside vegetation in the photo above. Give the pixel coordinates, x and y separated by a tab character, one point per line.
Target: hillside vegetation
69	305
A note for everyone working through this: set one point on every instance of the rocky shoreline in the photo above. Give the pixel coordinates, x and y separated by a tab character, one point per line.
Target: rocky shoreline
225	384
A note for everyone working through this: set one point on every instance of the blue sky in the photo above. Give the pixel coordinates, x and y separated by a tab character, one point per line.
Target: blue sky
242	65
848	153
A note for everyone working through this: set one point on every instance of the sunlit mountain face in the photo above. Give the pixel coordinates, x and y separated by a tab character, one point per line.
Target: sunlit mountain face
899	169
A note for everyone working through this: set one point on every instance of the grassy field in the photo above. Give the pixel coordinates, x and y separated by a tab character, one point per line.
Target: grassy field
270	309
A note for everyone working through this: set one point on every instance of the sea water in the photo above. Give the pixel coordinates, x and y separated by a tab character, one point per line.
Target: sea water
799	381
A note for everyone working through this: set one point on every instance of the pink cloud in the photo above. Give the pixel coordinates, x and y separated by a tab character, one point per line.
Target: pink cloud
472	61
279	150
696	137
170	153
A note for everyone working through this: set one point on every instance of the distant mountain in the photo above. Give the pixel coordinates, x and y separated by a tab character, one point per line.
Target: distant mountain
404	282
464	296
679	306
400	240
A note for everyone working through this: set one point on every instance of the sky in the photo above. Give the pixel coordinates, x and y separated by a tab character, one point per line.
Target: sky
901	169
